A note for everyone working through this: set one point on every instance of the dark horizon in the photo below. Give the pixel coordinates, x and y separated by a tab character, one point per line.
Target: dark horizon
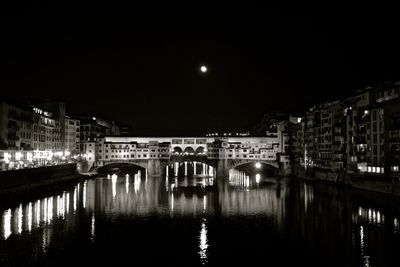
142	68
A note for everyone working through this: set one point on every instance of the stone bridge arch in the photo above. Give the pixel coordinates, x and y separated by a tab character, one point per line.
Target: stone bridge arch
200	150
117	165
188	150
153	167
237	163
177	150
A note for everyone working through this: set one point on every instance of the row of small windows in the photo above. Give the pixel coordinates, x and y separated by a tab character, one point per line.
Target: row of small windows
244	156
127	156
132	150
133	156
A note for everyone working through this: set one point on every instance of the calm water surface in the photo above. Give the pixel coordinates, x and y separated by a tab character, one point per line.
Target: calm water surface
244	219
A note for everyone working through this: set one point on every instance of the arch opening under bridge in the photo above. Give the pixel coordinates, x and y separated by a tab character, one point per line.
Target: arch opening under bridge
265	167
189	168
125	167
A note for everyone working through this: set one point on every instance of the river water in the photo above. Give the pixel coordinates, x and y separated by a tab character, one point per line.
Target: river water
245	219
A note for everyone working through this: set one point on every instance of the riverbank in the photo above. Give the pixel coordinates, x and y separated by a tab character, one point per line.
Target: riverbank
373	183
26	182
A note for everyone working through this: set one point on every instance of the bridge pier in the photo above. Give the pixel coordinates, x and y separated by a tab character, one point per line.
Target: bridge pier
222	174
155	167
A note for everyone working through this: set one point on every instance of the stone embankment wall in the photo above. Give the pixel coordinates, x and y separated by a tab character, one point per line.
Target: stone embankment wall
376	183
30	177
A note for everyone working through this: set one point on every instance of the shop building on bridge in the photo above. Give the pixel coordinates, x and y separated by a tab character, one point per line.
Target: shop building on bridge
111	149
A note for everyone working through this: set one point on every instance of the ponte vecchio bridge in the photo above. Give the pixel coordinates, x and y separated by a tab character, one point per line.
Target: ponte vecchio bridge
158	153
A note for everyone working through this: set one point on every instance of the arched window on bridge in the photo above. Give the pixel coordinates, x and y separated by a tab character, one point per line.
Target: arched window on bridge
177	150
188	151
200	150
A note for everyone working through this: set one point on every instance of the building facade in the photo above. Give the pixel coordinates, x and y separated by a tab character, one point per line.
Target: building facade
112	149
72	135
28	134
356	135
92	128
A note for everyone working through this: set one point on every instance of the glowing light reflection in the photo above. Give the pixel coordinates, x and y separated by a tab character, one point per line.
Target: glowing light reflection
137	183
75	200
7	223
20	219
67	203
37	213
49	209
203	242
127	183
114	185
92	232
84	194
30	216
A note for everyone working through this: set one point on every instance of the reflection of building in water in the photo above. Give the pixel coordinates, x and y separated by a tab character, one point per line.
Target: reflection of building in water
239	178
192	182
261	201
396	226
123	195
193	204
189	168
369	216
39	214
182	196
307	194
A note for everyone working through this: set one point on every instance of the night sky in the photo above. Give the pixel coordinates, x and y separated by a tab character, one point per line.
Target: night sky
141	65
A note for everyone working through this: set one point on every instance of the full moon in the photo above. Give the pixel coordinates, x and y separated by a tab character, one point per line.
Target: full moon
203	69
